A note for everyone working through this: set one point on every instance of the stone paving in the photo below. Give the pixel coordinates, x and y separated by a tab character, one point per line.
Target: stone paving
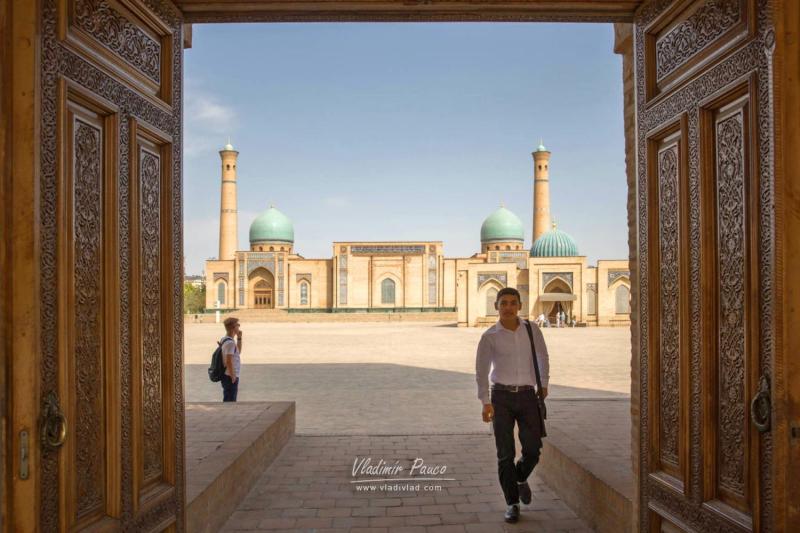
310	488
400	391
414	378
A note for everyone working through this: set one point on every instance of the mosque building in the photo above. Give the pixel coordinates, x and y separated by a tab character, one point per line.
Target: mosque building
402	276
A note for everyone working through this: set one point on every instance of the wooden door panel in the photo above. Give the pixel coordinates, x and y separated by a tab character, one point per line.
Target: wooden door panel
731	325
705	186
88	347
668	178
111	263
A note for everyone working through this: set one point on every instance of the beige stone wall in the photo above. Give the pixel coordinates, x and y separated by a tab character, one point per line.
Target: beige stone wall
213	270
318	274
459	282
479	279
449	284
409	270
606	292
538	267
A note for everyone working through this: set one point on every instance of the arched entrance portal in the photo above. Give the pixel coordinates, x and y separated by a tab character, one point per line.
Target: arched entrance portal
262	289
554	303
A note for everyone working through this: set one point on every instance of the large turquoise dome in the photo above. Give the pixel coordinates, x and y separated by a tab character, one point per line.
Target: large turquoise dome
554	243
502	225
272	225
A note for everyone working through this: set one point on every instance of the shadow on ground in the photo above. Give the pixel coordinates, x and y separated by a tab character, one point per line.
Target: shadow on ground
369	399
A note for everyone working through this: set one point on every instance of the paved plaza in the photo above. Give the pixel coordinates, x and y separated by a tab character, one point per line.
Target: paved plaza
405	390
394	379
311	487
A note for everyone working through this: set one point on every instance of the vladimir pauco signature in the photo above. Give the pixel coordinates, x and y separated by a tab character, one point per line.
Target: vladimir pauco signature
386	471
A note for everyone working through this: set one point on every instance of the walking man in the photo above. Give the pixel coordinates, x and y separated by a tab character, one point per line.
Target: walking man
231	358
506	349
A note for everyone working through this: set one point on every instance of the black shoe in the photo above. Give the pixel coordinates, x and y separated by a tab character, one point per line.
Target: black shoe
524	492
512	513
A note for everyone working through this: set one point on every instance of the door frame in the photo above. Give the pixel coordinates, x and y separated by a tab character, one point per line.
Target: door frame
19	257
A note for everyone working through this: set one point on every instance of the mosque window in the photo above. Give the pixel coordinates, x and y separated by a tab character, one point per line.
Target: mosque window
540	167
387	291
260	248
622	297
304	293
508	247
491	297
271	248
591	301
221	292
228	167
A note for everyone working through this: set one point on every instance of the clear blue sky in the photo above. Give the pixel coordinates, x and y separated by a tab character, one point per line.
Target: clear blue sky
404	131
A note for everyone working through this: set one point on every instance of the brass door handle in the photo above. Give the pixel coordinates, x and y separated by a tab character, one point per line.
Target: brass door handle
761	406
53	424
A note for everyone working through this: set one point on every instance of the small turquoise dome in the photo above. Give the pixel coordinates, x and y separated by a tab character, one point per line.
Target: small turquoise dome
554	243
272	225
502	225
541	148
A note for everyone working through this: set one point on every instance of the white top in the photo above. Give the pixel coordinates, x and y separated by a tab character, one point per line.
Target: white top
229	347
508	353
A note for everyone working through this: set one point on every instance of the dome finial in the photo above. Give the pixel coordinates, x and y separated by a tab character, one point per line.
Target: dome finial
554	225
229	146
502	204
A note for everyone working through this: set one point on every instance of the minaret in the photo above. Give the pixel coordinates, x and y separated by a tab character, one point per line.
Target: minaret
541	191
227	213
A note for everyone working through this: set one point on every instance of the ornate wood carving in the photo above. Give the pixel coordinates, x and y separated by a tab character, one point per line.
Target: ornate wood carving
732	286
133	95
669	356
682	41
124	37
119	35
88	308
744	52
699	30
151	295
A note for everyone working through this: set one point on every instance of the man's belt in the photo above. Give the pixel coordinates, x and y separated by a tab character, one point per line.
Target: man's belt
512	388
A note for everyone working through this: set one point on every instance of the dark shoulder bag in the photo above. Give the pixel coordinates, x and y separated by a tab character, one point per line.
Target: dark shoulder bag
539	399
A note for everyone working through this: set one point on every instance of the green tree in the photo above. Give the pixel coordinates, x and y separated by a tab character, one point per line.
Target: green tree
194	298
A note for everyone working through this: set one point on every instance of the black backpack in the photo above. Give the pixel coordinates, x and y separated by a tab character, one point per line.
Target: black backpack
217	368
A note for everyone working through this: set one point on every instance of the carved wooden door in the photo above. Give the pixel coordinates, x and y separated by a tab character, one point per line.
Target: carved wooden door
111	266
706	247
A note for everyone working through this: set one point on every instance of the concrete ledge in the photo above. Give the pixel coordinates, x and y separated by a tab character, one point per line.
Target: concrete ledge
586	461
228	446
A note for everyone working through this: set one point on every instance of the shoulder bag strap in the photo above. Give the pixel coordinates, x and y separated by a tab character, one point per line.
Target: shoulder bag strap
535	359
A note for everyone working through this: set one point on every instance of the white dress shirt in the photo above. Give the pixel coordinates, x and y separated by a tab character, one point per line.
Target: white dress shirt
508	353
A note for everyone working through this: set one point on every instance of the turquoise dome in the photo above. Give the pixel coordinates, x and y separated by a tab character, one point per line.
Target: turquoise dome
502	225
554	243
272	225
541	148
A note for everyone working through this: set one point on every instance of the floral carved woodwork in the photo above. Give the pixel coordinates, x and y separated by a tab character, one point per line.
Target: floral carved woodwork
692	35
147	90
731	248
87	229
149	178
119	35
701	82
669	356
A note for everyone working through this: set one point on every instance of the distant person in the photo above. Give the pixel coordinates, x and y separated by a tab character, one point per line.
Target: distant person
540	320
509	348
231	358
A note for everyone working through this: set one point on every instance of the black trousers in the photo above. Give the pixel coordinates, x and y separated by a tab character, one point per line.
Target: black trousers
520	407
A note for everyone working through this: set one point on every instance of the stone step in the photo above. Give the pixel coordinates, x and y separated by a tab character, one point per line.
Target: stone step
228	447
